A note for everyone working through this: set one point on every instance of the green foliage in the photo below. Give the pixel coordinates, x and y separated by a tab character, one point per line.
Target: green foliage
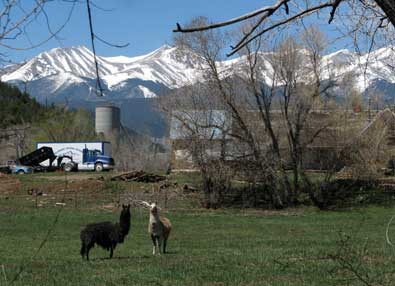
61	124
53	123
17	107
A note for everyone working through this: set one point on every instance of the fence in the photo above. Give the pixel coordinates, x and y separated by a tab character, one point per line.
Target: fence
173	196
102	198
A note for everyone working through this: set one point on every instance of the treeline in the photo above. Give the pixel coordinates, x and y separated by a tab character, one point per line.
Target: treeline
42	123
17	107
58	123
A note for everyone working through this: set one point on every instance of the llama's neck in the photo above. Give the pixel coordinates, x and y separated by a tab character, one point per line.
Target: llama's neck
155	225
124	224
154	217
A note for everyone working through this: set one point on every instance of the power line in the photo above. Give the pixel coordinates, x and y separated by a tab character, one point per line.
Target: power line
98	80
93	37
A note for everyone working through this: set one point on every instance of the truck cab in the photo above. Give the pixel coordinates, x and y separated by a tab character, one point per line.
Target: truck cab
94	160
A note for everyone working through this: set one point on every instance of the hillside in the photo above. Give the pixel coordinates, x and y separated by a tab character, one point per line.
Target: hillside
17	107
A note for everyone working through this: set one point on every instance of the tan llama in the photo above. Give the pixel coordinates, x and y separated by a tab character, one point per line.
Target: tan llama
158	227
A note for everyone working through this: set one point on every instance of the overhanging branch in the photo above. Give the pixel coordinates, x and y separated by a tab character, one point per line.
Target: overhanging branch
268	10
265	12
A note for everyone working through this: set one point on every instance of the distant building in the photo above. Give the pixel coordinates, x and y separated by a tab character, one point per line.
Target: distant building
207	126
212	129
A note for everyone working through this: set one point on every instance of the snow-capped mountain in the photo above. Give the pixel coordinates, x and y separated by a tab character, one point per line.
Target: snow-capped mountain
51	74
56	71
68	74
366	70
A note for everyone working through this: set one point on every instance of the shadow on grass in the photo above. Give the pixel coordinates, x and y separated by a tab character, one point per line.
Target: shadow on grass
117	258
170	253
132	257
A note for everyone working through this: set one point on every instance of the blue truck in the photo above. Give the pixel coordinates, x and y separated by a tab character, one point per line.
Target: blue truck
81	156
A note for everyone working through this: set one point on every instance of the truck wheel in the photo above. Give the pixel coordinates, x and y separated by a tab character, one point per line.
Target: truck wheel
20	172
99	167
68	167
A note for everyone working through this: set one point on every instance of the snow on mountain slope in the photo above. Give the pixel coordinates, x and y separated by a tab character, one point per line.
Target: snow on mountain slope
366	69
169	67
166	66
75	61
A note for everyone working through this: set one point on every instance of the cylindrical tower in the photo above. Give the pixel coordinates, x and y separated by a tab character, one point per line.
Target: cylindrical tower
108	121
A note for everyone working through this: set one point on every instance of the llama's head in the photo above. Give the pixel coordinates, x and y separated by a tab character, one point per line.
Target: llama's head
126	209
154	208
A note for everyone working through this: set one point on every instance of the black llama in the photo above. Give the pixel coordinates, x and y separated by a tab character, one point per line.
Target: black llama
106	234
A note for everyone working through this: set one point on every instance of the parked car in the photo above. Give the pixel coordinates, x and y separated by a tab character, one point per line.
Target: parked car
19	169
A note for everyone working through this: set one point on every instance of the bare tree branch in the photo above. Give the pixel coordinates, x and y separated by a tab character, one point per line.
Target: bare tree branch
267	10
387	16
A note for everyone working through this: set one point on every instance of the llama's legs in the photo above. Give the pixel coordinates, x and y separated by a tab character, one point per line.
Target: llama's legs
88	248
154	243
112	248
164	245
159	244
83	249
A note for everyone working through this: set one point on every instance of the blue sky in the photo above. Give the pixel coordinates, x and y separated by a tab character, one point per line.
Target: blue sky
146	25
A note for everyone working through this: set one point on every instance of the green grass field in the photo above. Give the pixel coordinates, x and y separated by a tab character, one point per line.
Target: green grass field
221	247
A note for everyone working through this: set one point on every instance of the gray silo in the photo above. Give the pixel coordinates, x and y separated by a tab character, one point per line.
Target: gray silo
108	121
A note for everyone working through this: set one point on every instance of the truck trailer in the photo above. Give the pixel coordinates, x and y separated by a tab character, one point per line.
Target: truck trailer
83	156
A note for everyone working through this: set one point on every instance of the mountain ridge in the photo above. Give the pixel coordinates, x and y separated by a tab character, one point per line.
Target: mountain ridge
173	67
68	74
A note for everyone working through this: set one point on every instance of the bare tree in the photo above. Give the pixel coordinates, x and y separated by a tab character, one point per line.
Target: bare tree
371	16
199	128
297	89
16	17
17	138
272	101
209	45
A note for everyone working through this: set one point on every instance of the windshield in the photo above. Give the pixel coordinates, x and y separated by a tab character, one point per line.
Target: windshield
93	153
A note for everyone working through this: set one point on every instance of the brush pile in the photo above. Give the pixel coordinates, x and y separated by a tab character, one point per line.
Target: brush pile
139	176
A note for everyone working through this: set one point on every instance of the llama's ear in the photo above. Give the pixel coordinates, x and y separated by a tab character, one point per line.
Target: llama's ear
128	206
